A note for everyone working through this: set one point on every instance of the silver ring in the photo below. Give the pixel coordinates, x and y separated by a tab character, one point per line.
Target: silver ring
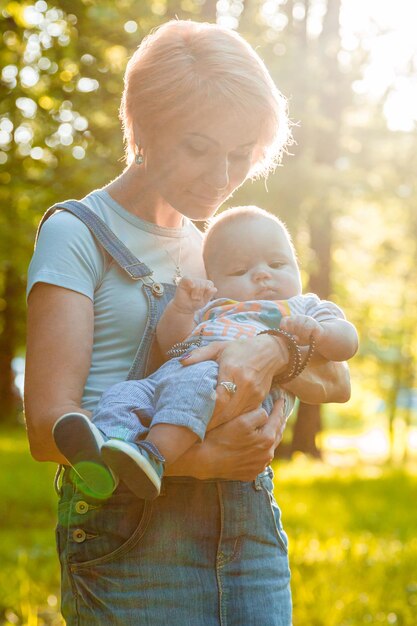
229	386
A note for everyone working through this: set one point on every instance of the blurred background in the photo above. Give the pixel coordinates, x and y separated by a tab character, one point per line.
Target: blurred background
346	475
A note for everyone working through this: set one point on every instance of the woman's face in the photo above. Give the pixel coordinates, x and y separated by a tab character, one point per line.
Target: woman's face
195	167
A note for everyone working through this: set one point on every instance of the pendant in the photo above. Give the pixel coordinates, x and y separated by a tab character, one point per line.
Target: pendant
177	276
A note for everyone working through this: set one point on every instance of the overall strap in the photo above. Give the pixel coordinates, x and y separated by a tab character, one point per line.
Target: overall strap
115	248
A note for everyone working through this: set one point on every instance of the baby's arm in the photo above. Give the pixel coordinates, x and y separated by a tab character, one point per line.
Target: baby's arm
336	339
177	321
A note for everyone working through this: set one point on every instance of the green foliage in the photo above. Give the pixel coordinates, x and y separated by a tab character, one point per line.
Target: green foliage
352	541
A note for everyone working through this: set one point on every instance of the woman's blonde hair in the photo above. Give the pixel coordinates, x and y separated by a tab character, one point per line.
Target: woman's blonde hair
185	67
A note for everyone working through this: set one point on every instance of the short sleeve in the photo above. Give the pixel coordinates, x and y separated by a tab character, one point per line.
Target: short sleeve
322	310
67	255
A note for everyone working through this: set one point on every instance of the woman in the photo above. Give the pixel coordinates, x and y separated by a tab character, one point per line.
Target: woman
200	115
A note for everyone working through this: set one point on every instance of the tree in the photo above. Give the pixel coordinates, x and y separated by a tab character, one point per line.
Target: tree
307	187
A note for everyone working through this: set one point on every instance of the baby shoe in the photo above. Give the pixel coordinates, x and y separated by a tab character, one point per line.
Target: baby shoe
140	465
80	441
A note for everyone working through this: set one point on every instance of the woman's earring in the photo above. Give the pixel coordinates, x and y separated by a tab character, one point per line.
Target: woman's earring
138	156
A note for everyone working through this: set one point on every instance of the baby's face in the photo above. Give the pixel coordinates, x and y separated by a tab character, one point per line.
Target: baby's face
255	261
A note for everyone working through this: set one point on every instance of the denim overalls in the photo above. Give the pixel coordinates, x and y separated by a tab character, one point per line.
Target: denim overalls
205	553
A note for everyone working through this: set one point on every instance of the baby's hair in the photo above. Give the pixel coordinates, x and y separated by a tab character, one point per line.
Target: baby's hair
235	216
184	66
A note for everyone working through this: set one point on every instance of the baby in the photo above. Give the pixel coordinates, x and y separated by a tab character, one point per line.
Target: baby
139	425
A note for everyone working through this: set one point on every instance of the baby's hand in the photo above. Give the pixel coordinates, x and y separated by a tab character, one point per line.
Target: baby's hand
303	327
193	293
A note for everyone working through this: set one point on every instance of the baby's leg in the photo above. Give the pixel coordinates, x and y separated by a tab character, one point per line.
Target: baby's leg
184	404
184	401
125	410
81	440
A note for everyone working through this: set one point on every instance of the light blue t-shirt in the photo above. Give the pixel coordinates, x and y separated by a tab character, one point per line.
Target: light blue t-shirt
67	255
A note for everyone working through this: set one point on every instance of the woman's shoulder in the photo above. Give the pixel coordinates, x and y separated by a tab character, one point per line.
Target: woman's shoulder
67	254
69	232
63	234
62	224
63	219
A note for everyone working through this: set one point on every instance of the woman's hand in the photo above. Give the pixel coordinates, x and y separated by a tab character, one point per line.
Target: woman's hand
237	450
250	364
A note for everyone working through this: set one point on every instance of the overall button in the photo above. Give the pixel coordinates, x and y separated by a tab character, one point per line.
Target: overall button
157	290
81	507
79	535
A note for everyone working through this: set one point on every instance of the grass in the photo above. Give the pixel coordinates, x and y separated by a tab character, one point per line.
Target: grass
29	576
353	542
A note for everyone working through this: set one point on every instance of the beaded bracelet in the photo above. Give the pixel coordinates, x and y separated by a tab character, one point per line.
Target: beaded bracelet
296	364
179	349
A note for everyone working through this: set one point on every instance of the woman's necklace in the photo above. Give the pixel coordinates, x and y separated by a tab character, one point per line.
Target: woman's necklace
178	273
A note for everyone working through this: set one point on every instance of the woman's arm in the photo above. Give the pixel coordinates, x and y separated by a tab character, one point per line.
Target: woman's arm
238	450
252	363
59	348
322	381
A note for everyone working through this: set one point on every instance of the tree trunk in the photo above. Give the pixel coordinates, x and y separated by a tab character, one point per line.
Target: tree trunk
326	148
306	428
308	423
